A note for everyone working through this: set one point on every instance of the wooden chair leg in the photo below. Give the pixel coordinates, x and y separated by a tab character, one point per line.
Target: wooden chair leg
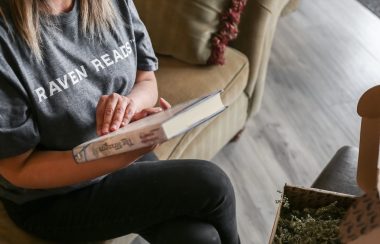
237	136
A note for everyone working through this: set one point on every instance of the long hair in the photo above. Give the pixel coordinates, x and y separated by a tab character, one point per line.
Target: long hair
96	16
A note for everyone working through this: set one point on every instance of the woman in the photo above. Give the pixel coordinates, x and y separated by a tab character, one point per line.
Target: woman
74	69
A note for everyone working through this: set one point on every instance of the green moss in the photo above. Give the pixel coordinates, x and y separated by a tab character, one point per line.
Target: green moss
309	226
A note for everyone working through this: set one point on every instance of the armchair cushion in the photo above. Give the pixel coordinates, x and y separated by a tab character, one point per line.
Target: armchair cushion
194	31
179	81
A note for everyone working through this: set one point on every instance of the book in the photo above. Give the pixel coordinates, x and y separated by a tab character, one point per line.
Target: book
151	130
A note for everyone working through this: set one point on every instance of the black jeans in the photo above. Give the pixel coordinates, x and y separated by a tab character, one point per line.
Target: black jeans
166	202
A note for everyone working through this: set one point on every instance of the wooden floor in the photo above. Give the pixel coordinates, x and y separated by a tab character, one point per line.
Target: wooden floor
324	57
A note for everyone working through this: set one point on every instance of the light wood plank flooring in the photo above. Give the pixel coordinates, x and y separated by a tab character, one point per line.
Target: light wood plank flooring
324	57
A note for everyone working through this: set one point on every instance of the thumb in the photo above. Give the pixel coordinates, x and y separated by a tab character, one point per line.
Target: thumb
164	104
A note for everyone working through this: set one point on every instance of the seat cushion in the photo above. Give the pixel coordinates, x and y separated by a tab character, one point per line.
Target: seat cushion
179	81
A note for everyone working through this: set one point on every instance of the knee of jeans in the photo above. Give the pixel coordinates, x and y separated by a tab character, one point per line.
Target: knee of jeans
206	235
214	180
189	232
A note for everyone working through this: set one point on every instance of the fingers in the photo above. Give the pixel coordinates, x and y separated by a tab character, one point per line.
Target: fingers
119	112
150	111
115	111
109	110
146	112
112	112
164	104
100	114
129	112
139	115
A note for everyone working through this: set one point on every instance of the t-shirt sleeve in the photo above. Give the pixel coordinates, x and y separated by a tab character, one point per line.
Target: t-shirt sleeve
18	130
146	59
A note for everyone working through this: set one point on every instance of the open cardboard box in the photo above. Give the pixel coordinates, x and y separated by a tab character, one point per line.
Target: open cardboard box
361	224
302	197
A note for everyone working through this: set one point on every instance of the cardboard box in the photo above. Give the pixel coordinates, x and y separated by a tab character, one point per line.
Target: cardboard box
362	221
303	197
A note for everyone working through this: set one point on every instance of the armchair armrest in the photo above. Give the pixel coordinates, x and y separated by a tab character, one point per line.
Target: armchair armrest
256	31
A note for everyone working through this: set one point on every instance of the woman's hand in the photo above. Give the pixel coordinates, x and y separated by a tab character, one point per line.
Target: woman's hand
114	111
164	105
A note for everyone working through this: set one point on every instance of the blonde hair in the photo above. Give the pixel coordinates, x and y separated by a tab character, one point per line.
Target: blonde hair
96	16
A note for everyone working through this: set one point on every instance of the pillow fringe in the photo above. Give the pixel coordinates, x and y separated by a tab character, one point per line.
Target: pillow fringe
228	30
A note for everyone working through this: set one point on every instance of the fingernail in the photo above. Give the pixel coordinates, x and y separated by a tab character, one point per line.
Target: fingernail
113	127
122	123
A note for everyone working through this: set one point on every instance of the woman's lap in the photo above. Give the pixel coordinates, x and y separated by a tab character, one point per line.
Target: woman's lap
141	198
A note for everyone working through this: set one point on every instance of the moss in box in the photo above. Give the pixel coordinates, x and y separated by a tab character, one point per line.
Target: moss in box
309	225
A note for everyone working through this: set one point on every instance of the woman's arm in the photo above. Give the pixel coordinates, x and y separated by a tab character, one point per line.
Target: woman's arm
51	169
144	92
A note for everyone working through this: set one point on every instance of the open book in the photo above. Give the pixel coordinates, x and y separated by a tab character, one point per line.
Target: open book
153	129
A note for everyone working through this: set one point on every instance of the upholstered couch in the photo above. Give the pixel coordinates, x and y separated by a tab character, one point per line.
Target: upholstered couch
242	78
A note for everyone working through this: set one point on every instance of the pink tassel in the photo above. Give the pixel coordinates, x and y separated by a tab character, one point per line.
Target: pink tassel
228	30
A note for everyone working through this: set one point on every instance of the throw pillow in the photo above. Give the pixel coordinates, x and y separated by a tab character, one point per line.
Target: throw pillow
194	31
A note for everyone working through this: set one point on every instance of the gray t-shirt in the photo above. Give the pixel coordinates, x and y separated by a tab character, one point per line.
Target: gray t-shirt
51	105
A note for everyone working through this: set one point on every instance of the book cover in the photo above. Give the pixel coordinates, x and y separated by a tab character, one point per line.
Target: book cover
153	129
